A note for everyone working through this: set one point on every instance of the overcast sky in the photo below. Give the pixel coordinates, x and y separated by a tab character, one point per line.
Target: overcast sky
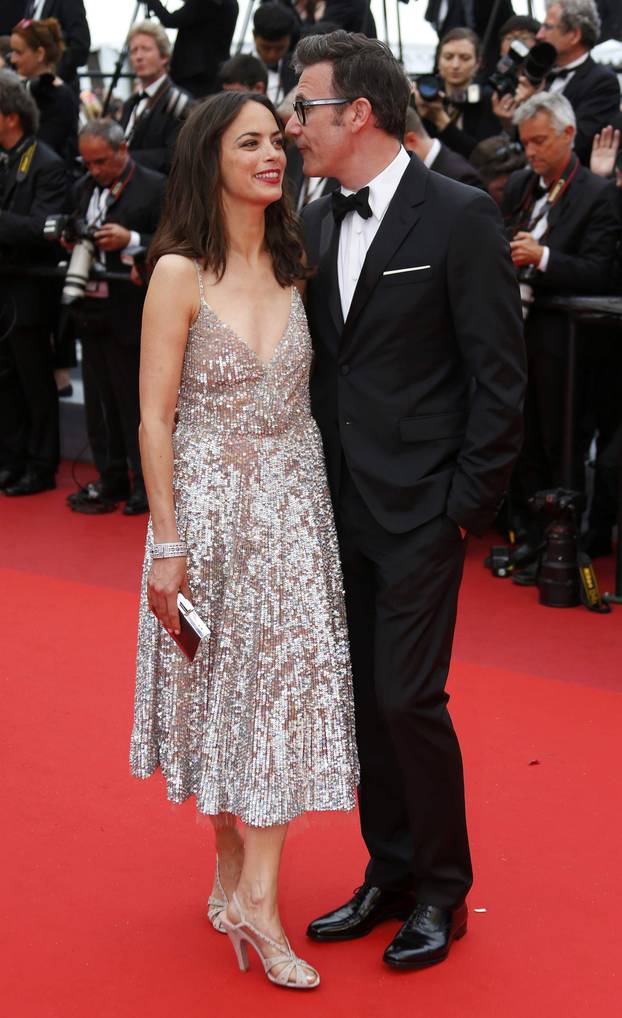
110	19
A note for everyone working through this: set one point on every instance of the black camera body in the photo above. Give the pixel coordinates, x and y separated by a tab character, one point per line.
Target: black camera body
71	229
431	88
534	64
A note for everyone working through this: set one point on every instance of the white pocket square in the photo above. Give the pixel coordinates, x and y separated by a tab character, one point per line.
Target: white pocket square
413	268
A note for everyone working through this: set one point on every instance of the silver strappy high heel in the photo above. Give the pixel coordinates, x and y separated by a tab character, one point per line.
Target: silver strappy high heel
295	972
216	906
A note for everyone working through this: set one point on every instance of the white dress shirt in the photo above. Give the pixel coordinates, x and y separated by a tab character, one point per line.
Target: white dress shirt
432	154
357	233
140	107
559	84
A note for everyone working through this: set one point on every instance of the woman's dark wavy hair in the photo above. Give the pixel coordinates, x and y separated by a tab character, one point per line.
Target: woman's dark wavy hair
193	221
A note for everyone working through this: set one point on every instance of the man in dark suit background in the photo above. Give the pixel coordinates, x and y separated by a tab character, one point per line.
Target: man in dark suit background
275	31
475	14
121	202
566	225
152	118
32	186
592	90
435	155
417	389
205	30
72	18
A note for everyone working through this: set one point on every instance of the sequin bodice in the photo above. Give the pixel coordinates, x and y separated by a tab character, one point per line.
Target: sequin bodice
226	387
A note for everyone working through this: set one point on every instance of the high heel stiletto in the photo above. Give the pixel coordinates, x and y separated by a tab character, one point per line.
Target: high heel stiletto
243	933
216	906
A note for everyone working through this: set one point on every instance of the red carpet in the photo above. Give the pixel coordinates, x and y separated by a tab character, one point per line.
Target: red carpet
105	883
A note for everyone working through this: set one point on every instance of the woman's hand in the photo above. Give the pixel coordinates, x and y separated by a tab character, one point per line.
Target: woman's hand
604	151
433	111
504	107
167	577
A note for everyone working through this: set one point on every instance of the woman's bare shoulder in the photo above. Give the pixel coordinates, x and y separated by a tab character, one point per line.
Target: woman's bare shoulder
175	268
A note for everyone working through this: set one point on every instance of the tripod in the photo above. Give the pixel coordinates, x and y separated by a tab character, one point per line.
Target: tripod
116	74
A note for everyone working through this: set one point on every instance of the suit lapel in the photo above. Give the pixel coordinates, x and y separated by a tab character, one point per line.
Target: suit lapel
398	221
328	281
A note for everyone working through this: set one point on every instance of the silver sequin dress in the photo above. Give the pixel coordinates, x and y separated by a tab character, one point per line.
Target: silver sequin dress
262	724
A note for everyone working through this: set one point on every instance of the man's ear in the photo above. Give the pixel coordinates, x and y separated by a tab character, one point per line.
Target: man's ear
361	113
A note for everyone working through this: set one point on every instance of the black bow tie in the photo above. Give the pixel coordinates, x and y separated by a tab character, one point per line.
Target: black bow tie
140	96
559	73
344	203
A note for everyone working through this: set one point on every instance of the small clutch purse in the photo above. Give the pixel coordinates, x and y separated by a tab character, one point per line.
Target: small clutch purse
192	628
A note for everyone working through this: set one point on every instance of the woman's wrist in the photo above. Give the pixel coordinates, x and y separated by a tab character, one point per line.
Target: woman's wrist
170	549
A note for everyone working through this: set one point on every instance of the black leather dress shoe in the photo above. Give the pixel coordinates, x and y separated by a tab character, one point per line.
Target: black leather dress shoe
97	497
137	503
359	916
30	483
426	936
8	477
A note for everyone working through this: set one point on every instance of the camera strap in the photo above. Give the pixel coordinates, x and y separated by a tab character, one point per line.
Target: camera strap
177	102
590	593
554	194
23	156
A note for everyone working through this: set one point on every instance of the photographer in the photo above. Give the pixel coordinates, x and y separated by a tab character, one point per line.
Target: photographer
119	203
152	118
573	28
33	185
564	223
456	110
205	30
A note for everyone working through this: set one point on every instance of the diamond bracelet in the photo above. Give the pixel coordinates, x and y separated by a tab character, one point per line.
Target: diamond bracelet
170	550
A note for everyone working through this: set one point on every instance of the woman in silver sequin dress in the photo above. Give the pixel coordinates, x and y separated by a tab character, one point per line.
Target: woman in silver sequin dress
260	727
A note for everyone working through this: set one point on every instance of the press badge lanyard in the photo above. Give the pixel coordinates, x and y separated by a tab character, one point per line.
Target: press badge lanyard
554	194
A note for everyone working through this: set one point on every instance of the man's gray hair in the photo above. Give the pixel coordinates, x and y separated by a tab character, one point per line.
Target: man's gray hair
108	129
14	98
554	103
581	14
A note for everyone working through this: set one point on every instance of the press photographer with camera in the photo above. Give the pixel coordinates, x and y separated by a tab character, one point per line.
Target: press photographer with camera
32	185
452	106
204	33
564	224
115	209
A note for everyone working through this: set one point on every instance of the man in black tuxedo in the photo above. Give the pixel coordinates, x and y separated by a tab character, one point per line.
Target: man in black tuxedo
592	90
205	30
274	33
32	187
566	225
72	18
435	155
417	389
152	118
121	202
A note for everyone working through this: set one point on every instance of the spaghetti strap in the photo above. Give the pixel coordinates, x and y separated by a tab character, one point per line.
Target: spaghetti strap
200	280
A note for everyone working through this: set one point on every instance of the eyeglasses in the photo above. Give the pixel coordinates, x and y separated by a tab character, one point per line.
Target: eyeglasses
302	105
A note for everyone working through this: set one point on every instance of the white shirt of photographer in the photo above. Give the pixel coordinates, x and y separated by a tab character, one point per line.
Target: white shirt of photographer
96	216
357	233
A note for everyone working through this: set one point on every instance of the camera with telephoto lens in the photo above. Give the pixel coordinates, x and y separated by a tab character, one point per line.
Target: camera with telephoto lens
534	64
74	230
558	577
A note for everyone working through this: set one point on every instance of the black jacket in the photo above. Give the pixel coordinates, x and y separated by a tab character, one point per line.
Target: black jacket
205	30
58	109
34	186
421	389
583	231
154	134
138	208
450	164
457	17
478	122
593	91
72	18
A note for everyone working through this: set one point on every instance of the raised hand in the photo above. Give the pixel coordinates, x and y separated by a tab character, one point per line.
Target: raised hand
604	151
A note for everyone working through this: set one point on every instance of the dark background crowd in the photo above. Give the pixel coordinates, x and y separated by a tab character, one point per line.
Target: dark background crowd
516	107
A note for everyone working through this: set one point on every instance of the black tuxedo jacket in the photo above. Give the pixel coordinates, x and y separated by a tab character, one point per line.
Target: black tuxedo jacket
27	200
450	164
72	18
594	94
205	30
583	232
153	140
421	389
138	208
